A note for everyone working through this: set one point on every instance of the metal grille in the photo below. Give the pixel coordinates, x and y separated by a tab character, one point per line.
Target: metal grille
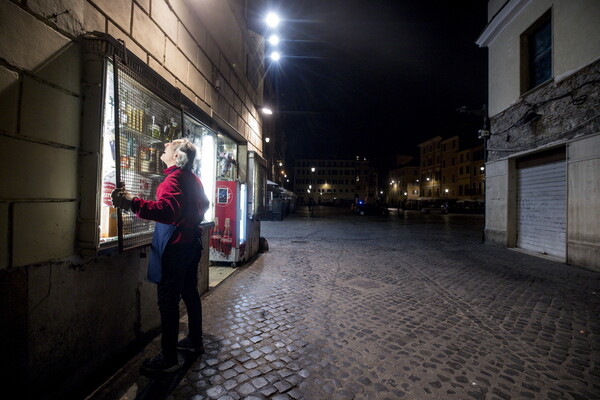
542	209
146	122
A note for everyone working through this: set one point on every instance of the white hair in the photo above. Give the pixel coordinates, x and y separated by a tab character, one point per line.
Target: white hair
186	153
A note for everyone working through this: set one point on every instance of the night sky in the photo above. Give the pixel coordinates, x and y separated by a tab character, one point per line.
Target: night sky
378	77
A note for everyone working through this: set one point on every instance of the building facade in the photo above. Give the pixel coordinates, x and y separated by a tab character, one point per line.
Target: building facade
431	167
335	181
543	169
403	185
75	76
448	172
449	183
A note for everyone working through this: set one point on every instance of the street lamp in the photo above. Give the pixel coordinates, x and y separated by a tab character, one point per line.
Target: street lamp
272	20
274	40
275	56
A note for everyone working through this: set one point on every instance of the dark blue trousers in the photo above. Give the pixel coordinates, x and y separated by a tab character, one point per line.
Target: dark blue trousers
179	281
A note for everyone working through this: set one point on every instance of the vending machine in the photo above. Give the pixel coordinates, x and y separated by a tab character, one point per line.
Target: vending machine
228	236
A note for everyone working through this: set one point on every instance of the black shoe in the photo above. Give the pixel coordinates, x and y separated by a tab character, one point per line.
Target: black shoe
187	344
159	364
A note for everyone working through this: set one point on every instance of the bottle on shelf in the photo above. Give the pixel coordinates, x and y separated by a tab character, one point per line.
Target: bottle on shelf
154	129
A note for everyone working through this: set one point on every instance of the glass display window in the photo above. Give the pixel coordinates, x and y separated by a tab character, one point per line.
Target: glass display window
257	183
205	164
136	125
227	159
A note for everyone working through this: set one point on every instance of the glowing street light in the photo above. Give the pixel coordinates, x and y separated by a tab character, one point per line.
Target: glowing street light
272	20
274	40
275	56
267	140
267	111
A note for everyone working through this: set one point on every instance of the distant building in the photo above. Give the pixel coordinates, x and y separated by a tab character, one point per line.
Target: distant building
543	169
449	184
335	181
431	167
447	172
444	171
471	174
403	182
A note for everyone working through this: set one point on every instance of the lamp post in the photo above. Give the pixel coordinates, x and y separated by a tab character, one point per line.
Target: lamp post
484	133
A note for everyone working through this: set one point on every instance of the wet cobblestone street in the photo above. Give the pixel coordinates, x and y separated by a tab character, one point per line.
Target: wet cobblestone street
350	307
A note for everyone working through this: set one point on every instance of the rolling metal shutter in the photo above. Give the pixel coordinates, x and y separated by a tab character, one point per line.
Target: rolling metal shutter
542	209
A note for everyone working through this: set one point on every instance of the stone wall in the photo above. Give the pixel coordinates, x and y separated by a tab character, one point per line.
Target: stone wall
65	318
568	108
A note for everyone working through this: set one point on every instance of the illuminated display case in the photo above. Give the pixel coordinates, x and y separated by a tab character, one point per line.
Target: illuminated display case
205	165
228	235
129	113
227	159
136	125
257	173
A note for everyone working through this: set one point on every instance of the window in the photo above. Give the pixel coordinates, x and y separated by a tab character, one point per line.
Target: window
536	53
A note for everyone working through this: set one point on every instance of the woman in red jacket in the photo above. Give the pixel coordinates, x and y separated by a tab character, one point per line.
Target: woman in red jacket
176	249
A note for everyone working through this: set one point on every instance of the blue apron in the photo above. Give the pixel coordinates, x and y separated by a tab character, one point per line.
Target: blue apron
162	235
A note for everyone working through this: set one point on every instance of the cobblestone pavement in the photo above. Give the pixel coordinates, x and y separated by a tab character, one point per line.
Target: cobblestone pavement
350	307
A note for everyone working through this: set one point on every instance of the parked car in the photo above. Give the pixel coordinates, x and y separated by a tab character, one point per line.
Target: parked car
371	209
435	208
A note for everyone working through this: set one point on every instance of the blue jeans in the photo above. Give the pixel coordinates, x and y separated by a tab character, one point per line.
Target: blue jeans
179	281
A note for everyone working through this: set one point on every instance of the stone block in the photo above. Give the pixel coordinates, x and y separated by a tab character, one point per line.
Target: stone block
26	42
118	11
116	32
197	82
176	62
93	20
149	316
148	34
156	66
204	106
9	100
4	250
145	5
187	92
212	51
50	172
224	67
49	114
164	17
63	69
62	296
187	44
90	187
190	20
71	21
43	231
204	65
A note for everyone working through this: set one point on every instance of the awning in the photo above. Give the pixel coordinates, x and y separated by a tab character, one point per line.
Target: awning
271	183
